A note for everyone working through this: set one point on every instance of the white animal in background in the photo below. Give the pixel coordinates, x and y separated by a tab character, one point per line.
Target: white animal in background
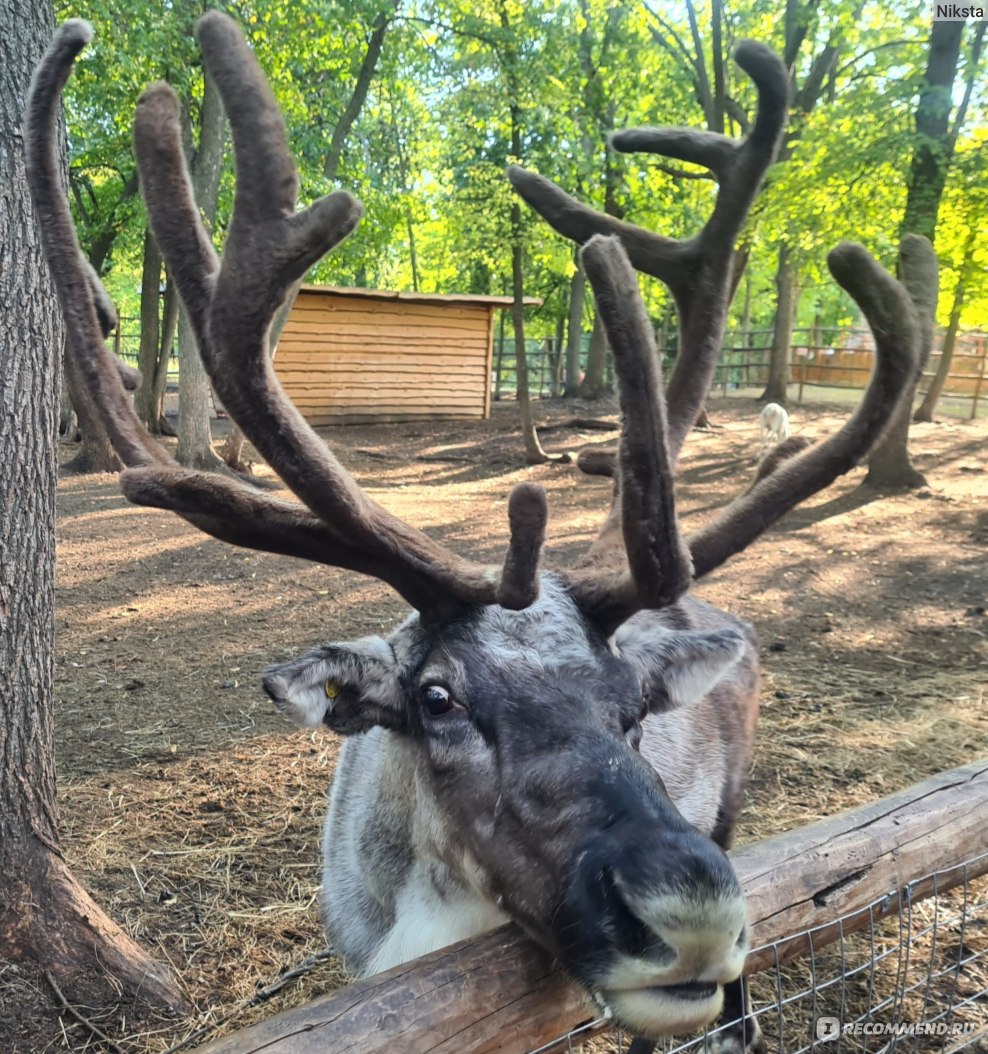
774	423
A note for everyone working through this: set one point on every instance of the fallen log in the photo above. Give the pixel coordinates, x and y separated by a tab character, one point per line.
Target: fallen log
501	993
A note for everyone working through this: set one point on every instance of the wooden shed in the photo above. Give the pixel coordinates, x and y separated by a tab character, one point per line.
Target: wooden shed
358	355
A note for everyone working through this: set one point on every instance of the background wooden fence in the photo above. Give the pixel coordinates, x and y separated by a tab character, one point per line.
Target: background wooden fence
844	359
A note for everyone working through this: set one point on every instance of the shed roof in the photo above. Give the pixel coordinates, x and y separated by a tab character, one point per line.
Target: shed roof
420	298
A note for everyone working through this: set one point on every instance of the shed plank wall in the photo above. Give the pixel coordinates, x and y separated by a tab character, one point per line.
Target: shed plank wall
349	359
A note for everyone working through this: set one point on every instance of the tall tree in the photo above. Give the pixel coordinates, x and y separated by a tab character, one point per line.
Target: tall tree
195	444
509	60
963	251
890	467
45	915
159	323
600	34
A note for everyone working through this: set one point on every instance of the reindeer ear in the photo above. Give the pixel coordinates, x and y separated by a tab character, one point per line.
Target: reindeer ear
678	668
350	687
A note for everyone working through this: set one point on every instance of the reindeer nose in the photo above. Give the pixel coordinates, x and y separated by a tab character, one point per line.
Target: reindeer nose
686	894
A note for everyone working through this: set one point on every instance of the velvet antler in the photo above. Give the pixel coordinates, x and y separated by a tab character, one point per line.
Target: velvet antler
231	304
638	560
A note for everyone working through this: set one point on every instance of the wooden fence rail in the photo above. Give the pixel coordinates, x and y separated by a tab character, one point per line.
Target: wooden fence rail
746	365
501	993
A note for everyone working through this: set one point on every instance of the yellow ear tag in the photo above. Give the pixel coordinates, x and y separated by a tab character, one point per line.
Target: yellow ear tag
332	689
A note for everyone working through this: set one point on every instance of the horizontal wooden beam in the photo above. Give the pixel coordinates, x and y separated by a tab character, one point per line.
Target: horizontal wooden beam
501	993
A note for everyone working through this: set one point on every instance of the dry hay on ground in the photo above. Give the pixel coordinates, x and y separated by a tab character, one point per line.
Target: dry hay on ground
193	814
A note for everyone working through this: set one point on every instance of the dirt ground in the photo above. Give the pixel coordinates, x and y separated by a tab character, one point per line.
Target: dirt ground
191	809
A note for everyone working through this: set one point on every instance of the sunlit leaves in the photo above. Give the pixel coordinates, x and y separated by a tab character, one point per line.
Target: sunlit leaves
428	150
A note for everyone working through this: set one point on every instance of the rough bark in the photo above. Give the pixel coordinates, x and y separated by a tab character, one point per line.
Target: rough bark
45	916
195	446
777	389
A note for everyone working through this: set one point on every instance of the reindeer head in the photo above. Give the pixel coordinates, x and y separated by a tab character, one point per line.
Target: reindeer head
519	694
523	728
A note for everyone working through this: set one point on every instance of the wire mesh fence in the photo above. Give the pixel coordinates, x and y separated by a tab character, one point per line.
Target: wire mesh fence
914	981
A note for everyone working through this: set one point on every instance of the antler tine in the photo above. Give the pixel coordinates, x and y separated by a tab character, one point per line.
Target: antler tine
897	329
663	258
644	512
697	270
220	506
527	515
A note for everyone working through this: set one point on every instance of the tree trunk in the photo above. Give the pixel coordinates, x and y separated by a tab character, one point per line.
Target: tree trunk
499	359
558	345
927	407
68	424
169	327
746	314
594	386
534	454
148	409
95	451
574	338
929	404
889	467
776	391
195	445
931	155
45	916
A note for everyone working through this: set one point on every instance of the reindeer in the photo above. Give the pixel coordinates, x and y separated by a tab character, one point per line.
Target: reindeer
565	749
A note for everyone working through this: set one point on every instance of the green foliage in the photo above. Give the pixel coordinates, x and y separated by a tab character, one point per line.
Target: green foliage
461	89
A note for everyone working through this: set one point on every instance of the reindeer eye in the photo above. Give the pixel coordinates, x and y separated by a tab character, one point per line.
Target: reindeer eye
436	700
